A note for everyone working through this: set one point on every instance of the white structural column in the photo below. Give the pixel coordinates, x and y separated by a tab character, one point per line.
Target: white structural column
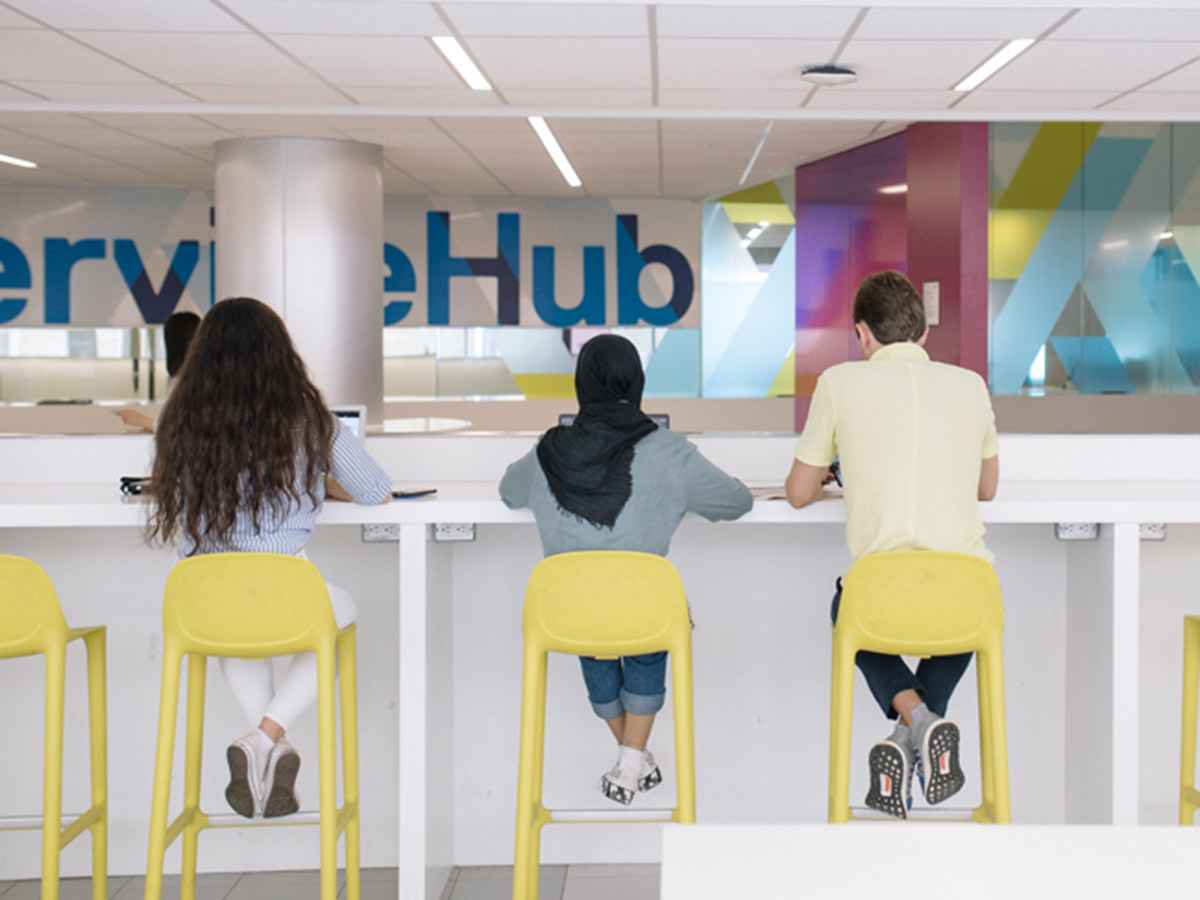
299	225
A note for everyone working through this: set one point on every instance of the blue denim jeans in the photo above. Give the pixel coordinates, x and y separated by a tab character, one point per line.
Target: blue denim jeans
935	679
635	684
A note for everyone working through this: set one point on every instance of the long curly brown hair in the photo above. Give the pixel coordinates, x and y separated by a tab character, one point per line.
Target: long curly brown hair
241	417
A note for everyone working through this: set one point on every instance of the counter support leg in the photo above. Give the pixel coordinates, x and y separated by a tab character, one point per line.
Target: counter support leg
1126	588
412	712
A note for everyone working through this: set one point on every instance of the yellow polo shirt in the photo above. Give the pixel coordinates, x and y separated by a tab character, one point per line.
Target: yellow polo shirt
909	434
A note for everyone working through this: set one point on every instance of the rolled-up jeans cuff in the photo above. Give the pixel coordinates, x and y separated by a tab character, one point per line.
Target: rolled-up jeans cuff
642	704
610	710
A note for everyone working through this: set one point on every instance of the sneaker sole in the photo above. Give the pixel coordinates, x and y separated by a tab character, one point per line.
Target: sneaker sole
281	801
944	775
650	780
616	792
889	781
239	794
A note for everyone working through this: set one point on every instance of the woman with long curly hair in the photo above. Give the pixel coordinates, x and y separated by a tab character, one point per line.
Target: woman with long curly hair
246	452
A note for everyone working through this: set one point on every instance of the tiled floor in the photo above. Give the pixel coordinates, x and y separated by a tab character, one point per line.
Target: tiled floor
626	882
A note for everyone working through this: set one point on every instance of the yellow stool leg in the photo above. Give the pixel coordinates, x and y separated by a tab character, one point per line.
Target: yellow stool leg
685	747
841	711
987	807
348	673
193	756
98	735
52	770
1187	755
999	736
526	858
327	765
162	773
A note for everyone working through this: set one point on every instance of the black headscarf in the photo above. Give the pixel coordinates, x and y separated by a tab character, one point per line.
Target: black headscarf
587	463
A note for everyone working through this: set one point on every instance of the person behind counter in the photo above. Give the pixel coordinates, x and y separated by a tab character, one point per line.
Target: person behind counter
917	447
246	452
613	480
178	331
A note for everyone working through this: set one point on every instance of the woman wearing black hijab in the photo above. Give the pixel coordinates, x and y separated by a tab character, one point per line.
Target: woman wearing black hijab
613	480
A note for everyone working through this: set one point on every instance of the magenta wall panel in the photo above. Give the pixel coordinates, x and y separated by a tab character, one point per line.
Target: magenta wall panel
947	174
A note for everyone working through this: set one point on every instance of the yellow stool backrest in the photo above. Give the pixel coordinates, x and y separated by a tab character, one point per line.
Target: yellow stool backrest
30	617
247	604
604	603
921	603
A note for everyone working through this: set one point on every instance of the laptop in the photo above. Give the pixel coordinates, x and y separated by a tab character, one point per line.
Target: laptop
662	420
354	417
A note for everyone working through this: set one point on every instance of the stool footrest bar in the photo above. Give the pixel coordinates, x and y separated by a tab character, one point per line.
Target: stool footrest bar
612	815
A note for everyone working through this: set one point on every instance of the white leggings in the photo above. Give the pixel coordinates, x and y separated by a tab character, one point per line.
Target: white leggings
252	681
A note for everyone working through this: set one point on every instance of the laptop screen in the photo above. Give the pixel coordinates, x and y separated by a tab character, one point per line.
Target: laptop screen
354	418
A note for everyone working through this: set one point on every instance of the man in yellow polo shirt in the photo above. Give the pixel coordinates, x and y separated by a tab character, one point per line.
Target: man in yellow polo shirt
916	444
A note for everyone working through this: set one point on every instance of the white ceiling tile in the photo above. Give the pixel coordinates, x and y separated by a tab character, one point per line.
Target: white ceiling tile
1158	103
457	188
579	99
964	23
525	141
14	118
1034	101
190	58
135	120
10	18
268	94
443	98
689	127
834	99
737	64
342	17
621	187
373	61
913	64
616	143
745	99
100	92
47	56
16	92
130	15
1140	24
1091	65
817	126
750	21
504	165
1184	79
395	139
196	142
94	137
270	126
566	63
455	124
549	20
13	177
564	124
441	157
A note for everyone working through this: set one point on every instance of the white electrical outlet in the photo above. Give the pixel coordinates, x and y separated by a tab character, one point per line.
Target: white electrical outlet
1152	531
1077	531
380	533
454	531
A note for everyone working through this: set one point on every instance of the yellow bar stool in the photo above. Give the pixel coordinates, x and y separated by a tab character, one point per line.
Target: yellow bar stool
252	605
31	622
922	603
1189	797
605	604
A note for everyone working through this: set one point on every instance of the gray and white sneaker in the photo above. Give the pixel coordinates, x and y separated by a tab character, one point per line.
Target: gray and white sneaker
621	785
890	790
244	792
279	785
943	774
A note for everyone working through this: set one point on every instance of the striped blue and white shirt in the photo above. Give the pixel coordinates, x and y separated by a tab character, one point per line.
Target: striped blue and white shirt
288	531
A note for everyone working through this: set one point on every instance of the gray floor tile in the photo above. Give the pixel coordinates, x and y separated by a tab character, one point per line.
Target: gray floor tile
614	870
211	886
488	882
68	888
611	888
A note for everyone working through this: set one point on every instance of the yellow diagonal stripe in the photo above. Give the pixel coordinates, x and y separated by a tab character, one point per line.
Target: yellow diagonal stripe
1024	210
761	203
545	387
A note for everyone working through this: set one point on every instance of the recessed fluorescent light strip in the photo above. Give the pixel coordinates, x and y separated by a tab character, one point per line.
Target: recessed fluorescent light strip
556	152
463	64
894	189
16	161
1006	54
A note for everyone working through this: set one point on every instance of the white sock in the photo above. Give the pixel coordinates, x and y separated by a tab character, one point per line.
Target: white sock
629	765
265	746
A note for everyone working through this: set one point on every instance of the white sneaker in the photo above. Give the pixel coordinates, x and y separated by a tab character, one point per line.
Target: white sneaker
621	783
279	797
244	792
